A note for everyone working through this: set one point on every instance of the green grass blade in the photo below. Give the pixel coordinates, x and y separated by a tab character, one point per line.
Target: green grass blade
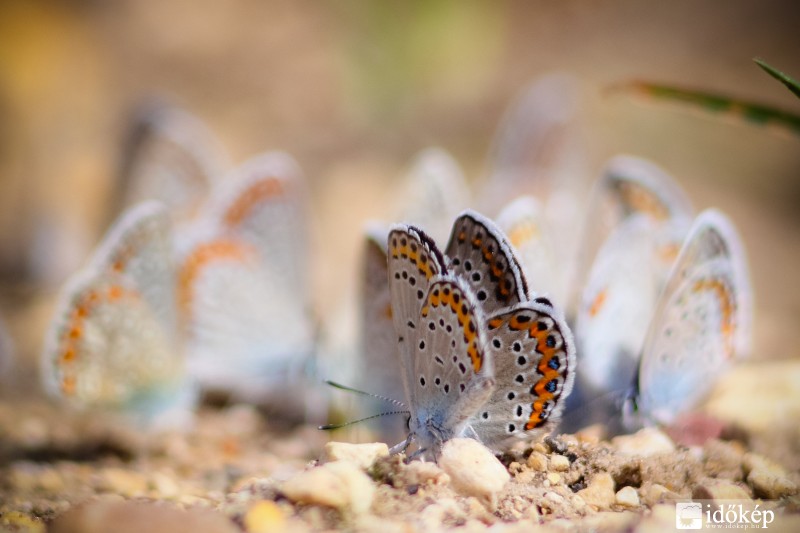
752	112
785	79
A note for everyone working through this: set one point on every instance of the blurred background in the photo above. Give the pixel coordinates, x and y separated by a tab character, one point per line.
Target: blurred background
354	89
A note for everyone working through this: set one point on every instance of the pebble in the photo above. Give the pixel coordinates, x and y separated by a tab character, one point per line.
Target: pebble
134	517
661	518
264	517
712	489
340	484
655	494
473	469
559	463
600	492
363	455
537	461
16	521
627	496
767	479
554	478
643	443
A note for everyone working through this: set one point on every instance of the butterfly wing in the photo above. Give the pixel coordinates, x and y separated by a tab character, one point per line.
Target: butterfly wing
528	231
139	246
452	373
532	142
106	348
702	320
630	186
533	354
263	203
479	253
618	302
170	156
414	261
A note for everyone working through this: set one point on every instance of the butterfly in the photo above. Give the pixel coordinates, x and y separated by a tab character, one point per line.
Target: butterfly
701	324
171	156
112	342
479	357
637	219
242	283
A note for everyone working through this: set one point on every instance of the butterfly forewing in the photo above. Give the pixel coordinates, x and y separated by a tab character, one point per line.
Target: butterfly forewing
478	253
413	262
534	366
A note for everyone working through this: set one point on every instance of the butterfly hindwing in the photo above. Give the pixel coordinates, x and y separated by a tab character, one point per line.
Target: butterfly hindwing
452	373
479	253
702	320
534	366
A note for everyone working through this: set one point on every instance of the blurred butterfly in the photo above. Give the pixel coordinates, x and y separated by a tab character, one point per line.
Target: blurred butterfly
479	356
243	284
640	216
702	322
112	342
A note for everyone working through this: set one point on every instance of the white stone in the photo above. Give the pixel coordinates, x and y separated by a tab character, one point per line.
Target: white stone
559	463
645	442
362	455
340	484
473	469
627	496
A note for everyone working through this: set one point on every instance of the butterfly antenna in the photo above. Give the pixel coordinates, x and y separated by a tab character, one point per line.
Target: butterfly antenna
327	427
369	394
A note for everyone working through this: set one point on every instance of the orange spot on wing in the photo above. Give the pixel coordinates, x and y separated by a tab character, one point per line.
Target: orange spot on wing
458	306
727	307
522	233
257	193
598	302
643	200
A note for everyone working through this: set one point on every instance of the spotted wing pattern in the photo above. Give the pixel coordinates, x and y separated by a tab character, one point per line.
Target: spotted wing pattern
452	373
479	253
534	366
702	321
109	344
413	262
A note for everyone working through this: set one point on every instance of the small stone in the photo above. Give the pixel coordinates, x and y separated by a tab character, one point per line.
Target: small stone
129	517
767	478
600	492
559	463
712	489
264	517
645	442
591	434
661	518
340	484
627	496
164	486
766	484
537	461
473	469
655	494
540	447
363	455
554	478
